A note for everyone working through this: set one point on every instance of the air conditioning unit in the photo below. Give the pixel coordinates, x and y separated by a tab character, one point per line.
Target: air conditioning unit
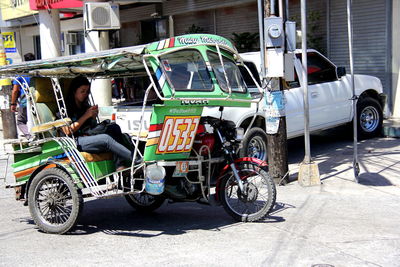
101	16
71	38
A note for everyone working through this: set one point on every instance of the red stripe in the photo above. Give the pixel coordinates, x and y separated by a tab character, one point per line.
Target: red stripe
171	42
155	127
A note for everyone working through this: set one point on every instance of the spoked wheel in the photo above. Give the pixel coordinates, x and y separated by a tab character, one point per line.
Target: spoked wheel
144	202
258	195
55	203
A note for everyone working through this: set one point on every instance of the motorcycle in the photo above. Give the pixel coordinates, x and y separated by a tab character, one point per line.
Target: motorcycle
242	185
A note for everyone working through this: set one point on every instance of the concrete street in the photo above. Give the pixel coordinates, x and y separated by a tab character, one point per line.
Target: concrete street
340	223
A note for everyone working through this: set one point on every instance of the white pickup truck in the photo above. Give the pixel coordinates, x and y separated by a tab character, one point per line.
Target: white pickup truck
330	102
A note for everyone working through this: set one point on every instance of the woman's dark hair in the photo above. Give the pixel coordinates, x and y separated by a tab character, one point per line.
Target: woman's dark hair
75	84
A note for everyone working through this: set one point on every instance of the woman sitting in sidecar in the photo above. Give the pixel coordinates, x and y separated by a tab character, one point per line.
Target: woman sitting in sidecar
84	123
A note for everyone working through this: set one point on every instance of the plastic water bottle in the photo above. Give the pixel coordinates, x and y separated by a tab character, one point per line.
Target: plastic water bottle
155	177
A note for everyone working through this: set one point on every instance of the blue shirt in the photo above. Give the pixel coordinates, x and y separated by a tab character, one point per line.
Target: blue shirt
22	97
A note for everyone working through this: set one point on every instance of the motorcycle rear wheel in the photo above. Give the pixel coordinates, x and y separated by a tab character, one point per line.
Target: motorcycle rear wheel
257	198
144	202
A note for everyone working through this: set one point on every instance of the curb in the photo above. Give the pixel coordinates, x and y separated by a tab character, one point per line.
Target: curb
391	127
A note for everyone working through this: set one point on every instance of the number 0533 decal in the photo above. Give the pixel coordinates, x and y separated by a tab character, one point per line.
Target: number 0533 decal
177	134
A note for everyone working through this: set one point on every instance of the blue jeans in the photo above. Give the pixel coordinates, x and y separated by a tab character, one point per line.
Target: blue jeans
104	143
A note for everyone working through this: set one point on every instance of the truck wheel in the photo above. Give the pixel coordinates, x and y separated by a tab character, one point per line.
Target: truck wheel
55	203
369	118
255	144
145	202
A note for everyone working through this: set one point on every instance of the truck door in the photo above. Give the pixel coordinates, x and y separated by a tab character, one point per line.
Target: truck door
329	97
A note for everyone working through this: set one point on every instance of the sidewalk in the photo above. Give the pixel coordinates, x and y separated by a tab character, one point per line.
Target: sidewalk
340	222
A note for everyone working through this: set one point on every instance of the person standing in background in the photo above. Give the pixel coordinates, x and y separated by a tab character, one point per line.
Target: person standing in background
18	93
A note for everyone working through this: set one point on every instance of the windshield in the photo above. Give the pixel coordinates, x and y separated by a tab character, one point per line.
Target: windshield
186	70
232	71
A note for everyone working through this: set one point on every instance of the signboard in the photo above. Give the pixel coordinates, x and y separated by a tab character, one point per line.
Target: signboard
13	9
9	42
54	4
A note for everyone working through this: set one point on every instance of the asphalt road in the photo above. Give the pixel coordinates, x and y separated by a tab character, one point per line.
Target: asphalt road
340	223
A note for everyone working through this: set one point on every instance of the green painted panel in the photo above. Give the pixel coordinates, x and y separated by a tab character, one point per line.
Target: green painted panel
172	131
188	39
101	168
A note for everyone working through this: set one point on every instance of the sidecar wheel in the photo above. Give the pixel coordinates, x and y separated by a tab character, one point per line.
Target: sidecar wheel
259	193
55	203
145	202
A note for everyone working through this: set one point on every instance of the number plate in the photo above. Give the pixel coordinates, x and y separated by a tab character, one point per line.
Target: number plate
181	169
177	134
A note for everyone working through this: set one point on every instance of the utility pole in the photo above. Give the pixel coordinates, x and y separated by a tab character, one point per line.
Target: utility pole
308	172
7	116
272	44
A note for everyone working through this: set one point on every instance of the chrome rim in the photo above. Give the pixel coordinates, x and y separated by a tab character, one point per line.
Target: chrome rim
54	202
369	119
257	148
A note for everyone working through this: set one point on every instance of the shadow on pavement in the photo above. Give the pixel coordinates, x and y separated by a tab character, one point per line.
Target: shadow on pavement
116	217
333	148
374	179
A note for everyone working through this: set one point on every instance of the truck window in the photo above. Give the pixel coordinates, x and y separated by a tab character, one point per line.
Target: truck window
246	76
236	81
186	70
133	89
319	69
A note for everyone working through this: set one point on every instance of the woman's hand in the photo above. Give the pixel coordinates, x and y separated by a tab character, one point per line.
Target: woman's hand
92	112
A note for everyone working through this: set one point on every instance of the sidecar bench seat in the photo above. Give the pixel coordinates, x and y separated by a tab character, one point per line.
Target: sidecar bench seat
47	119
50	126
89	157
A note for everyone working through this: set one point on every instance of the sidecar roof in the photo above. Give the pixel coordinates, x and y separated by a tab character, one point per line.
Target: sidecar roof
104	64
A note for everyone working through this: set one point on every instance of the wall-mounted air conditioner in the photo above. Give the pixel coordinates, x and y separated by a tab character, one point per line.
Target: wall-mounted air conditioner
71	38
101	16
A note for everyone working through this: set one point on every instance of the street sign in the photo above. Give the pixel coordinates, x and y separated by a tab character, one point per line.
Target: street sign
9	42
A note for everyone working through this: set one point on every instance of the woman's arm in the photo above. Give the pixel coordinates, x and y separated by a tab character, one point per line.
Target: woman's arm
76	125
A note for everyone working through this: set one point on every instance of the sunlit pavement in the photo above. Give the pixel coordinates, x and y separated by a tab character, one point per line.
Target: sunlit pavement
340	222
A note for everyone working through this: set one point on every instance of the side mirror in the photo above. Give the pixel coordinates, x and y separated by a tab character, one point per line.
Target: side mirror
341	71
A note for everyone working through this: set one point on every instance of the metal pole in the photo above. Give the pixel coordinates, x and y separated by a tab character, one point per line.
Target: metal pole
7	116
307	157
287	9
354	98
261	30
272	3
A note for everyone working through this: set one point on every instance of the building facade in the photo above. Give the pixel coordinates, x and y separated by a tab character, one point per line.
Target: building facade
374	24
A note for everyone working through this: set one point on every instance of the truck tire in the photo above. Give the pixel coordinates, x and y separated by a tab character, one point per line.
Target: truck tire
255	144
369	118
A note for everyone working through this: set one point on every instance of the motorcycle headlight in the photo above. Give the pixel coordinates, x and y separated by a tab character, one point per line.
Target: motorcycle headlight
239	134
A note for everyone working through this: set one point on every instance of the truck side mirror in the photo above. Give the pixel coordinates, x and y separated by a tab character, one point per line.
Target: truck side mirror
341	71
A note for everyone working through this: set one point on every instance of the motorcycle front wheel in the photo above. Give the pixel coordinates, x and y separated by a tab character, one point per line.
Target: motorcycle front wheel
258	195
